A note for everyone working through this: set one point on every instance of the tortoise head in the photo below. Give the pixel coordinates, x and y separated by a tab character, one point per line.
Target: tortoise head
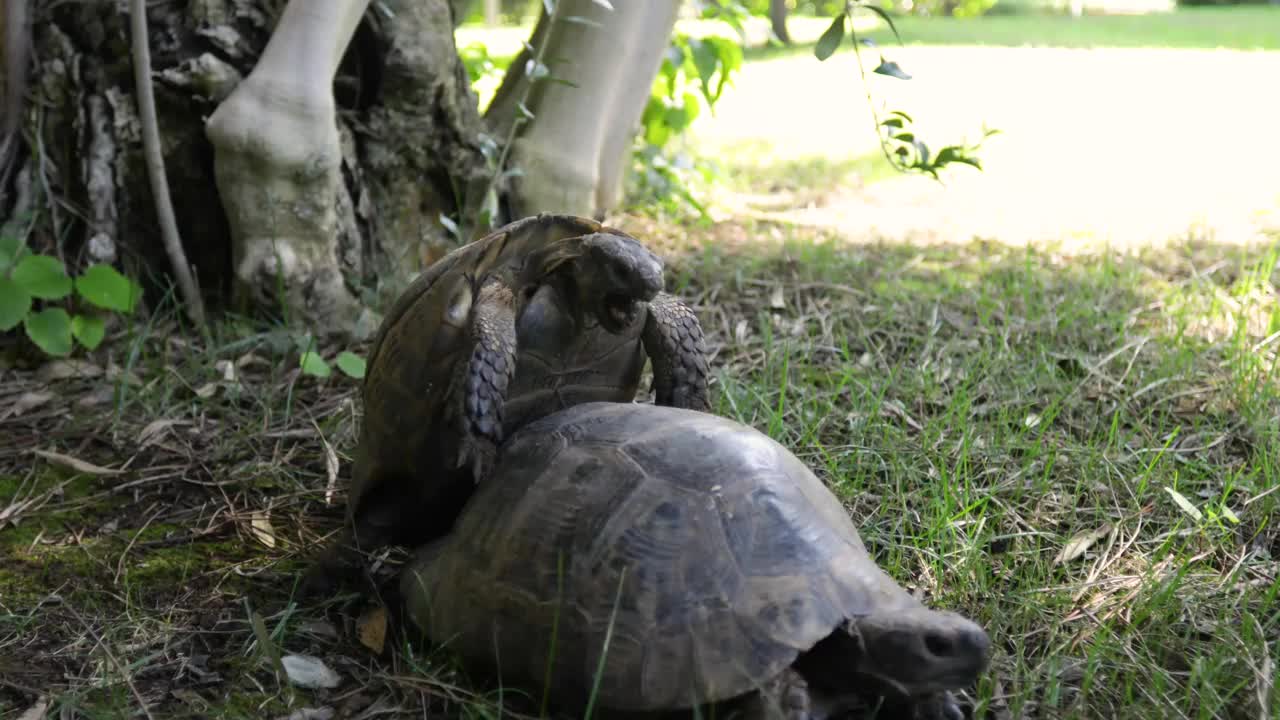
609	275
918	651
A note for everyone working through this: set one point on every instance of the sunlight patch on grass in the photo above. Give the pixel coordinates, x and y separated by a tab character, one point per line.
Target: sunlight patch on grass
980	407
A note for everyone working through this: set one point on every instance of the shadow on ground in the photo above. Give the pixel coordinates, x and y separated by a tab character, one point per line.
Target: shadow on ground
1078	452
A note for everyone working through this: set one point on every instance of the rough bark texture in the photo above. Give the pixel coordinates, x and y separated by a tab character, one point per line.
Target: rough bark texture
406	116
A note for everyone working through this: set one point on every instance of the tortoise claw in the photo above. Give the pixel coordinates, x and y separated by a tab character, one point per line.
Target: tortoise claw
478	453
942	706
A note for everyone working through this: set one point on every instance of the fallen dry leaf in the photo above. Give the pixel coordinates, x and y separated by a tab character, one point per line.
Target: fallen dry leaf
65	369
331	469
371	628
776	300
260	527
248	359
29	401
228	370
75	464
100	396
894	408
309	672
117	373
156	429
206	391
1080	543
36	711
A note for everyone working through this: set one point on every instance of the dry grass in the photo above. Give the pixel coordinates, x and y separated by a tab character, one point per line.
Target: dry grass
978	406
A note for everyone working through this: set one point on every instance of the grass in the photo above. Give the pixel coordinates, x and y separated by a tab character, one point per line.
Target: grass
978	407
1234	28
981	409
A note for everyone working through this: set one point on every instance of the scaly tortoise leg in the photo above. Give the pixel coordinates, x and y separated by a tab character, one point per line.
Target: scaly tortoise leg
786	697
941	706
674	341
481	384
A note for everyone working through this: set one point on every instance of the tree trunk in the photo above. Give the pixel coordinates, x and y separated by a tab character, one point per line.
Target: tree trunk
406	117
573	155
310	191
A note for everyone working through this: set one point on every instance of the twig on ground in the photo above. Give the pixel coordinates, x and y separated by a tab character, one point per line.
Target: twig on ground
142	702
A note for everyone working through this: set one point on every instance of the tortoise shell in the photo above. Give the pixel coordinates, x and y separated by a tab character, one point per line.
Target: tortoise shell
703	554
405	439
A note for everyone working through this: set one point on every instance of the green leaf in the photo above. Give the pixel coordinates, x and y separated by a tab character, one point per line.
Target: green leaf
884	15
50	330
42	276
351	364
705	61
9	249
890	68
15	303
312	364
830	39
88	329
954	154
1185	504
730	54
104	286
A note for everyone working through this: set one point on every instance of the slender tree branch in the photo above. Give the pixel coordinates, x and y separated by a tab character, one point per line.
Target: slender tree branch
155	164
16	43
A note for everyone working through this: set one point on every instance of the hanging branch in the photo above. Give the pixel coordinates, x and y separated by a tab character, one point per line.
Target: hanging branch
16	44
155	164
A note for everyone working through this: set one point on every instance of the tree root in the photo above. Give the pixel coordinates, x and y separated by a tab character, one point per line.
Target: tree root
155	164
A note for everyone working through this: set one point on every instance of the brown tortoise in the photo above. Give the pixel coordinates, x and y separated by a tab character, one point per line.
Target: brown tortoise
715	567
545	312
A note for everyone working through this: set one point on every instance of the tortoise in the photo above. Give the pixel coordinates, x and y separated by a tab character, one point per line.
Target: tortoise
542	313
717	569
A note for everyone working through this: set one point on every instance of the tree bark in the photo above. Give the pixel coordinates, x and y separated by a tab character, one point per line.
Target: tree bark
573	155
406	120
303	189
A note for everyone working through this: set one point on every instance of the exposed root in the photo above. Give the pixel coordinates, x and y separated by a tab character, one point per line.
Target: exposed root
155	164
17	44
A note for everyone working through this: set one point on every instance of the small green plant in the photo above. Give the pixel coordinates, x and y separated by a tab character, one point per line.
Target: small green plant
899	143
694	71
29	279
314	364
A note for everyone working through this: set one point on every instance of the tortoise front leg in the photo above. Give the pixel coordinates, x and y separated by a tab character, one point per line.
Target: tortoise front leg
482	385
941	706
674	341
785	697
